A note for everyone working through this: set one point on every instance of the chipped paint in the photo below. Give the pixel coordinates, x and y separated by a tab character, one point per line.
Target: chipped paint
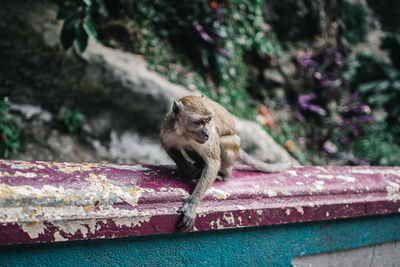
270	192
218	193
292	172
319	185
83	201
346	178
393	191
300	209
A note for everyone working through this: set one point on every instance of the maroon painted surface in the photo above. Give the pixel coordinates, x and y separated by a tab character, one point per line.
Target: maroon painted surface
46	202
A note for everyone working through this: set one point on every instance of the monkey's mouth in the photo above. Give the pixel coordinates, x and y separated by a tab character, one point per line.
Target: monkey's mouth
200	140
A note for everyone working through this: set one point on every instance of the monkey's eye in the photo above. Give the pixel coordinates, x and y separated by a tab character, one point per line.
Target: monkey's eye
199	122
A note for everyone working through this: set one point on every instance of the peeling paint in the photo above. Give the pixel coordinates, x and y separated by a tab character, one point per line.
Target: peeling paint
218	193
300	210
319	185
393	190
287	212
270	192
230	219
346	178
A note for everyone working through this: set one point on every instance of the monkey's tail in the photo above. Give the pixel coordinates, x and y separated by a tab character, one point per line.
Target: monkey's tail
263	166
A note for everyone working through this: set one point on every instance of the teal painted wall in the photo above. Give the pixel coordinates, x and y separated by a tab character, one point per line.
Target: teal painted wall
258	246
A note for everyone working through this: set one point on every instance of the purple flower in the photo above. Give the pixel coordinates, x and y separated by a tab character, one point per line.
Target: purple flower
304	102
326	83
317	75
203	34
223	52
329	147
343	139
306	60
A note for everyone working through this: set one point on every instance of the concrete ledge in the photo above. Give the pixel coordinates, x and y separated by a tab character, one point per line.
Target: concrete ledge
49	201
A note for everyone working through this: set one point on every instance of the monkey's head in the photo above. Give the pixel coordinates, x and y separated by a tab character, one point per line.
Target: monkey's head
193	117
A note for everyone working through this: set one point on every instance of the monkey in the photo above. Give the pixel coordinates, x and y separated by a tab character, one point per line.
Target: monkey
200	137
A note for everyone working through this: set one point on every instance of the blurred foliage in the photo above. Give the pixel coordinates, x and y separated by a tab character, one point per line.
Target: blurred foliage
324	102
388	13
354	16
78	25
380	146
224	49
72	120
9	137
379	83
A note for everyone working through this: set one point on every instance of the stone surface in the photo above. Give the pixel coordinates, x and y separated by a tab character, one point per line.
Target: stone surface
387	254
50	201
123	101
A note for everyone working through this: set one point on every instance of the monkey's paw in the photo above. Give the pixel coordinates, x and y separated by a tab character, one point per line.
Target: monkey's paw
188	217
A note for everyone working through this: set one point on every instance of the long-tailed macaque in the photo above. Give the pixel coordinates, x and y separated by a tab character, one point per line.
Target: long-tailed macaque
200	136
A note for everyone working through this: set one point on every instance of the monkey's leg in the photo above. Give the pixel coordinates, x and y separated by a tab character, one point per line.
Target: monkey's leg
230	147
188	210
186	168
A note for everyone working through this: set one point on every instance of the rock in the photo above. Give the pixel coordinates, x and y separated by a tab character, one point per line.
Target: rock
124	102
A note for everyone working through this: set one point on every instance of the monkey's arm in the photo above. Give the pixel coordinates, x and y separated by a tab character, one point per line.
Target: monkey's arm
208	176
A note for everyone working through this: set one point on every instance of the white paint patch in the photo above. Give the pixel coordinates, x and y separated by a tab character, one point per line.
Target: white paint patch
319	185
287	212
260	212
292	172
363	171
286	193
393	191
230	219
300	210
299	183
110	191
346	178
58	237
128	167
219	225
240	207
218	193
325	176
327	214
33	229
27	175
270	192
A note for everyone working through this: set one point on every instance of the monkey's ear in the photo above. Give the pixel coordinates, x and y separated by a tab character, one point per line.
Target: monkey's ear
176	108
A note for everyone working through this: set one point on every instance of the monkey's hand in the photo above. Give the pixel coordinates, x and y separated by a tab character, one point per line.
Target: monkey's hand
188	211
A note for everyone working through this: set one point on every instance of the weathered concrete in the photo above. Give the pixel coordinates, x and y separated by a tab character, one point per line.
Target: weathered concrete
49	201
386	254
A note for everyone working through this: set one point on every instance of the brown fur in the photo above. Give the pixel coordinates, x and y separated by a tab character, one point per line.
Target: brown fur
213	147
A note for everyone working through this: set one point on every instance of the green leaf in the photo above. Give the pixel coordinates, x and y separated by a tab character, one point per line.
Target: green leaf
368	87
88	2
65	13
67	35
90	28
81	38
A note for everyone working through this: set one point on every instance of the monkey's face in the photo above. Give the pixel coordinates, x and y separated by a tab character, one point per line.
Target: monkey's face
200	129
